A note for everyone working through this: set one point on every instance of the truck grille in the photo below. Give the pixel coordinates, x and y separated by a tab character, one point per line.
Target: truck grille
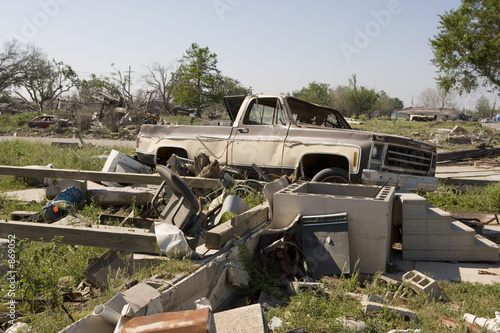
408	160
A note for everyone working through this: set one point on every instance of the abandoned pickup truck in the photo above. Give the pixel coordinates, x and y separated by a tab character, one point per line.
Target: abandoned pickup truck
283	135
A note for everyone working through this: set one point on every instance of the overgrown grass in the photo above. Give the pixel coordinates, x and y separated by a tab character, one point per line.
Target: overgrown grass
41	266
478	198
24	153
319	312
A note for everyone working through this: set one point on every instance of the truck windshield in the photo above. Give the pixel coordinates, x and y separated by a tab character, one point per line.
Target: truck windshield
304	113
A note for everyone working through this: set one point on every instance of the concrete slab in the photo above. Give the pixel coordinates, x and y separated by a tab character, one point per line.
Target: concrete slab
32	194
486	273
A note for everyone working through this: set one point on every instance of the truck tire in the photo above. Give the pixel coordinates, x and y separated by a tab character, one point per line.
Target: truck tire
332	175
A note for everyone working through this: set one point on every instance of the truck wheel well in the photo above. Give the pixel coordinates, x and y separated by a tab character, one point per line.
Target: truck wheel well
311	164
164	153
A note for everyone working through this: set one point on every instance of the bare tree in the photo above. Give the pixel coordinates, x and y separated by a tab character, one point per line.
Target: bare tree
44	80
162	80
429	98
436	98
12	62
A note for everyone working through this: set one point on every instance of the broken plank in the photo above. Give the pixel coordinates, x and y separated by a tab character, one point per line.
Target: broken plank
99	176
461	155
237	226
136	240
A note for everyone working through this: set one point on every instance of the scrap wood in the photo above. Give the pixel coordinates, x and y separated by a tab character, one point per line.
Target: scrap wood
461	155
99	176
479	218
483	272
136	240
237	226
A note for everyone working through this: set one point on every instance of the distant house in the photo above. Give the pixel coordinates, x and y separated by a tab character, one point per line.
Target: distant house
425	114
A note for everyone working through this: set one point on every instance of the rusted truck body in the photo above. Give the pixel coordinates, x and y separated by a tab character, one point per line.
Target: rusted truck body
284	135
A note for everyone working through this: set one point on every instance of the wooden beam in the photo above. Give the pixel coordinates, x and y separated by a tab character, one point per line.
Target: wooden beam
136	240
460	155
99	176
237	226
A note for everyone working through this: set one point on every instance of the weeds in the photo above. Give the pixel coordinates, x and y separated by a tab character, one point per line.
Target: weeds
485	198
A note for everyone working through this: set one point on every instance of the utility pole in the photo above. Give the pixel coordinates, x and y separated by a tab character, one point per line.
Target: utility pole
129	83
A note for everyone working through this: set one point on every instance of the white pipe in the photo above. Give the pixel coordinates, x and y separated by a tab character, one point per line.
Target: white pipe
111	316
490	324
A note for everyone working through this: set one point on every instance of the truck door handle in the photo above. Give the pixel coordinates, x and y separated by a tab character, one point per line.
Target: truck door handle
243	130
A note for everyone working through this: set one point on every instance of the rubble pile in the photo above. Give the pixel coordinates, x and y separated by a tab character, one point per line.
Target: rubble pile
308	236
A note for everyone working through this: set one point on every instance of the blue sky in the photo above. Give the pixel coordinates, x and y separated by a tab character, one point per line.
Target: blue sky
272	46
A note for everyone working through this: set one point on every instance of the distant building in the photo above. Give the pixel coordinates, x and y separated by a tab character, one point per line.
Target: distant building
425	114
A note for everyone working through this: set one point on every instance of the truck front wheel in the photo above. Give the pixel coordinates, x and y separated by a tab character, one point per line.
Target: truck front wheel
332	175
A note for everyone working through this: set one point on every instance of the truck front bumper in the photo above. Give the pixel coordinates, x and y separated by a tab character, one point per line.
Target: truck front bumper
400	181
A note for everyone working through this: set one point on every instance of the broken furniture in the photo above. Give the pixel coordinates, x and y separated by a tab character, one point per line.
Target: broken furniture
182	205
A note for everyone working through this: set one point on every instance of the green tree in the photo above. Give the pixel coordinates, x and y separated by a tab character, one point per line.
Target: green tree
384	104
226	86
467	47
88	89
361	100
197	77
483	107
319	93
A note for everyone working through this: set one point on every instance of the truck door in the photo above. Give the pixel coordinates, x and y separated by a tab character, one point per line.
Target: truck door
259	136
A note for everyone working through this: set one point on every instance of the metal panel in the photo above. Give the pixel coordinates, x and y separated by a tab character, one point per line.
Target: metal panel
326	243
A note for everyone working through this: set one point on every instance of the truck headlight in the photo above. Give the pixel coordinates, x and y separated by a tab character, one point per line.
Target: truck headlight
374	151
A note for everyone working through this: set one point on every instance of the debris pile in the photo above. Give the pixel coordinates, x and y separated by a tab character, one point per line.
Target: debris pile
307	236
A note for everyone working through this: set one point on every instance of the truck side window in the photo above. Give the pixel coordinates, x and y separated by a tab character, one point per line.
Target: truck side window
281	114
262	112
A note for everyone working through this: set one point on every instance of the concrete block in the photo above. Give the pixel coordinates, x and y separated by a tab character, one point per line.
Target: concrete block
454	237
373	306
434	219
422	283
413	204
139	296
295	287
482	250
369	212
247	319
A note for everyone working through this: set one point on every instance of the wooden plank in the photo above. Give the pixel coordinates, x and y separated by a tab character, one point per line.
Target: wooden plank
98	176
237	226
460	155
136	240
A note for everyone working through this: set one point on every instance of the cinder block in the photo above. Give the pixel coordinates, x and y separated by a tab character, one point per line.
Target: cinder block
295	287
422	283
482	250
246	319
372	306
369	214
453	237
413	204
434	219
